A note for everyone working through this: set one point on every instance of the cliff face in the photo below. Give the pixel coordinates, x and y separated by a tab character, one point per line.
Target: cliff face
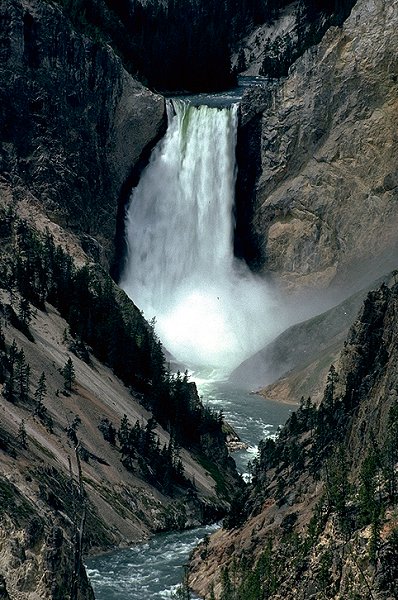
290	28
73	122
320	513
79	445
319	202
37	554
76	129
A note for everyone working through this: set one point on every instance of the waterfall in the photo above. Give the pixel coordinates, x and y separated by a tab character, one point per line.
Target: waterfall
210	309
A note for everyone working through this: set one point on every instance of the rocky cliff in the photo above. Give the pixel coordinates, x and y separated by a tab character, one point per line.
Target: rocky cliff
317	201
319	517
38	558
73	122
76	130
81	456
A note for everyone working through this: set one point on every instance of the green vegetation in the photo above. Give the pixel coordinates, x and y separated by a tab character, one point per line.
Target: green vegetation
100	317
15	373
69	375
160	465
357	493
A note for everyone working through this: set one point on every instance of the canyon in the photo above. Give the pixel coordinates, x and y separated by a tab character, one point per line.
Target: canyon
82	96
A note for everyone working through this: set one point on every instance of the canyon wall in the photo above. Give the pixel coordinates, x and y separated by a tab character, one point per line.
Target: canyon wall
73	121
317	197
319	517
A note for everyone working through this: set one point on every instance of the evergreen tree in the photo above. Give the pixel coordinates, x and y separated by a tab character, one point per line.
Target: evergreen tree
108	431
369	503
71	430
41	389
337	486
22	376
330	390
69	375
25	312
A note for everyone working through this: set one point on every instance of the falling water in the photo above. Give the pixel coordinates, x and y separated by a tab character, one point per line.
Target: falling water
210	309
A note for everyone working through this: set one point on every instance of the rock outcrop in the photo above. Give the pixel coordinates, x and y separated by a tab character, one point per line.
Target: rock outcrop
73	121
317	203
37	553
98	425
289	29
319	518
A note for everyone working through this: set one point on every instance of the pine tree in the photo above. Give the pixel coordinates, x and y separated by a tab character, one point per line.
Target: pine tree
22	376
69	375
329	395
41	389
40	410
25	312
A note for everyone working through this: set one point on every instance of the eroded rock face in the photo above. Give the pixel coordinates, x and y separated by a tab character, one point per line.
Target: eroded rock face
285	505
73	122
37	552
324	201
291	27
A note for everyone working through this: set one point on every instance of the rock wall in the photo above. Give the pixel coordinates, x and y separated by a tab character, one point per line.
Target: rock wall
37	551
276	42
73	122
320	206
320	512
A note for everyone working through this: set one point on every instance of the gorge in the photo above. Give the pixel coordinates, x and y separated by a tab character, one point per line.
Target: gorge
109	433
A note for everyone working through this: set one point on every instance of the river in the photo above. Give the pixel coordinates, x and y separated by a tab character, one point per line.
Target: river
153	570
209	307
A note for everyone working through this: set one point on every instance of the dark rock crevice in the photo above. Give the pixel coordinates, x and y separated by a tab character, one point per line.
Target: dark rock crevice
126	190
248	156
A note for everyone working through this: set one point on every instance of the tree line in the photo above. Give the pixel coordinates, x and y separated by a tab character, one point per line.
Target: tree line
102	319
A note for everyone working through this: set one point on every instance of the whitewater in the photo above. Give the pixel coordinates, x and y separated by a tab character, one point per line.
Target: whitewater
210	309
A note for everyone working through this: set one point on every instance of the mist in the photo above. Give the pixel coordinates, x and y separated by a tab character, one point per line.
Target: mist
210	310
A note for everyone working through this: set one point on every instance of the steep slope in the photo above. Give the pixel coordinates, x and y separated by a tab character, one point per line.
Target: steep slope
299	344
317	191
296	363
78	444
73	122
319	518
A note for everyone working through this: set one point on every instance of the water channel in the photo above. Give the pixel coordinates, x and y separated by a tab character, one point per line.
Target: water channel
153	570
208	306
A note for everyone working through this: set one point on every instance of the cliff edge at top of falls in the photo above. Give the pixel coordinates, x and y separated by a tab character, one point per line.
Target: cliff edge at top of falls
73	122
317	198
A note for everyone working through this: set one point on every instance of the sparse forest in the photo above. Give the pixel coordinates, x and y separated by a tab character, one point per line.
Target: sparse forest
355	497
103	320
